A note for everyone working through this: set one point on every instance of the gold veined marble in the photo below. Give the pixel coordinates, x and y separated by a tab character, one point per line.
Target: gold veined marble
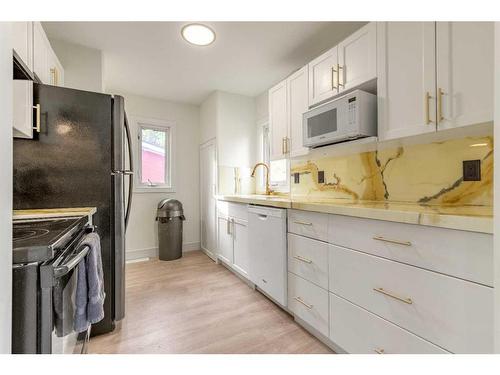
429	173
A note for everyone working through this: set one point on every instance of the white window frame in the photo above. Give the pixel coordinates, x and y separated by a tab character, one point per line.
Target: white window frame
140	123
282	186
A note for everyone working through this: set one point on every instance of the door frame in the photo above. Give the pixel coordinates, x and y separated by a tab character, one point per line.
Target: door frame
210	142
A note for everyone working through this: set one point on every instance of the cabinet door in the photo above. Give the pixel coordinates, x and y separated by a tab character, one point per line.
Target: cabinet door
406	79
323	82
278	120
465	73
240	243
22	116
297	105
22	39
358	57
224	240
40	64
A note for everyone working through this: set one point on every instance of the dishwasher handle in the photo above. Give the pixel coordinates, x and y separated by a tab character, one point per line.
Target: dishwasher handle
262	216
261	211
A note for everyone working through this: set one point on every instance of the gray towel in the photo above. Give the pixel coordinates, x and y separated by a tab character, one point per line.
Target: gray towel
90	286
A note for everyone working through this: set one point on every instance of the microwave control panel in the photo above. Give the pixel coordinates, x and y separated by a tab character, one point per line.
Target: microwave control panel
352	110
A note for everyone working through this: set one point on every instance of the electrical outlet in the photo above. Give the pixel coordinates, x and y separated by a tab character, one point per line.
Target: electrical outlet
321	177
472	170
296	178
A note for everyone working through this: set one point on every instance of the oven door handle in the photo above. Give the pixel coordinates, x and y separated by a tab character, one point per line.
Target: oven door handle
72	262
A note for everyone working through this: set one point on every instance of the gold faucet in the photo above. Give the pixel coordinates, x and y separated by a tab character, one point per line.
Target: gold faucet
268	191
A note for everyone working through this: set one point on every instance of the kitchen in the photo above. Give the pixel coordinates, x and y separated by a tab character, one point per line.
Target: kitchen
337	198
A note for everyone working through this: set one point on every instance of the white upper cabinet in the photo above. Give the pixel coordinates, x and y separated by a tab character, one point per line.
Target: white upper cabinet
323	77
22	114
46	64
22	33
465	71
358	58
406	79
350	64
278	120
297	104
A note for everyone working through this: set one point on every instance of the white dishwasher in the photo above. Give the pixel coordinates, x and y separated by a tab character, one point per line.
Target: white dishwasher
268	251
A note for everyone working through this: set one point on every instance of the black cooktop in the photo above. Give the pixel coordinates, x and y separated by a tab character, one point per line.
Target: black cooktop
39	240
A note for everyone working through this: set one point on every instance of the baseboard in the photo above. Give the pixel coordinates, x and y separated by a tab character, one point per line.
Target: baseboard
152	252
325	340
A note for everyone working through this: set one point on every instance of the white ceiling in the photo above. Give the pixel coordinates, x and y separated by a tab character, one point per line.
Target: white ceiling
152	59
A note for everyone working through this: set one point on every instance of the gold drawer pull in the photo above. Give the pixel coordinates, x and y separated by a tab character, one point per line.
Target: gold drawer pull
389	294
300	300
379	351
302	223
302	259
38	118
398	242
426	109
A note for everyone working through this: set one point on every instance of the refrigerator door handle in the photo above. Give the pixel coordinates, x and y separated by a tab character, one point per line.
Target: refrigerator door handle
129	172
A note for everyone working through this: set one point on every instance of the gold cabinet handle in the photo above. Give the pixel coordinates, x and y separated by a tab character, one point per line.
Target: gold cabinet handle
389	294
379	351
300	300
302	223
287	145
302	259
55	76
228	226
339	68
283	146
440	94
38	118
427	113
398	242
334	75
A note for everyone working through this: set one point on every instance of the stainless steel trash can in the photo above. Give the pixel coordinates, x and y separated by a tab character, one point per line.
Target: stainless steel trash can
170	216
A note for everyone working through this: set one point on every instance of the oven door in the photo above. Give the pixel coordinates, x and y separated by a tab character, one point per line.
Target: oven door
326	124
64	338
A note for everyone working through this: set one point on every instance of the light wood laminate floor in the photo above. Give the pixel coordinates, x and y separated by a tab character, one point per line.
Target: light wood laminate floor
193	305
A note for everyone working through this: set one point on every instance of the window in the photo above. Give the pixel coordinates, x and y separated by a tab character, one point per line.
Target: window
154	172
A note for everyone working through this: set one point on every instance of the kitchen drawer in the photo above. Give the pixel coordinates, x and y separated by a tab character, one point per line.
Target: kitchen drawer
231	209
358	331
455	314
467	255
308	224
308	259
308	302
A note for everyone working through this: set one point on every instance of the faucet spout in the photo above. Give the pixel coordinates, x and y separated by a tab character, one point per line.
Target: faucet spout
268	190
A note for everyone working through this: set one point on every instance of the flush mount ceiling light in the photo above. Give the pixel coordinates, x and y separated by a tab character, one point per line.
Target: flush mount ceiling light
198	34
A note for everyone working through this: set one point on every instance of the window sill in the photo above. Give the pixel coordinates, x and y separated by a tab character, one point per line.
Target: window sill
156	189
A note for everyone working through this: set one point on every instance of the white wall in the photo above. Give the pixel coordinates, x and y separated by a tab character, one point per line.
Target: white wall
5	187
141	238
208	118
83	67
262	117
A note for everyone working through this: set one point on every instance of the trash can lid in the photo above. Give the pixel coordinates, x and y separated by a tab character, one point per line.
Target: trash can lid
170	208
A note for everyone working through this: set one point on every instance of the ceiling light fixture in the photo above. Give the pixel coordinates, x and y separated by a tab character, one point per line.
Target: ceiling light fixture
198	34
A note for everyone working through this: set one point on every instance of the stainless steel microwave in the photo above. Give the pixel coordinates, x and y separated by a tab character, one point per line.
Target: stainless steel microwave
348	117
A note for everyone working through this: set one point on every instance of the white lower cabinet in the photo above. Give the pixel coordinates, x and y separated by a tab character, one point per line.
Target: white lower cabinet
358	331
241	256
308	259
232	236
455	314
224	240
308	302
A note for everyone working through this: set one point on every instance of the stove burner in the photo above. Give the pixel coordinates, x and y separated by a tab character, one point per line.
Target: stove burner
24	234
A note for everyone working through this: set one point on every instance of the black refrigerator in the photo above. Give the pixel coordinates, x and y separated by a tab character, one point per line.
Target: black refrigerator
81	157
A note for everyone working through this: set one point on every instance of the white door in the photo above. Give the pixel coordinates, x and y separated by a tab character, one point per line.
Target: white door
224	240
406	79
22	115
22	40
278	120
240	245
465	73
298	103
323	77
208	203
358	57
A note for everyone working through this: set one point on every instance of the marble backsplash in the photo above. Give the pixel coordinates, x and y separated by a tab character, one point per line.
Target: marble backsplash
427	173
